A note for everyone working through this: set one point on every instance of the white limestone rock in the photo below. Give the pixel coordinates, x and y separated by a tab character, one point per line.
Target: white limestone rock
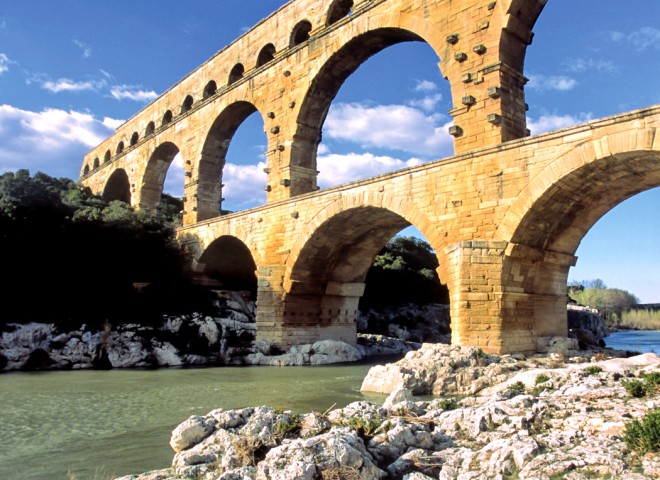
191	432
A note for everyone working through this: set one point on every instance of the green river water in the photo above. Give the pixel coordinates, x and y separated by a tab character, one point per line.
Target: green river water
101	424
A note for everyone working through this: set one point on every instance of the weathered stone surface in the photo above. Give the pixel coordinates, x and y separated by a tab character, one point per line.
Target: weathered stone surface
191	432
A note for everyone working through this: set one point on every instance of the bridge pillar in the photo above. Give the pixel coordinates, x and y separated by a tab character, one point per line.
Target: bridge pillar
288	319
505	297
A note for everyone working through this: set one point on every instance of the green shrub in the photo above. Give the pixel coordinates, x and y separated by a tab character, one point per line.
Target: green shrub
593	370
542	378
644	435
651	382
518	388
634	387
448	404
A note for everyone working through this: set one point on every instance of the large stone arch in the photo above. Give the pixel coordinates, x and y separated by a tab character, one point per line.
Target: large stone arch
551	216
213	155
153	179
325	85
118	187
326	269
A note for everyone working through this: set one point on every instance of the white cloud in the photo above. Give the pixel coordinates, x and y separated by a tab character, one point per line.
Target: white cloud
549	122
244	186
392	127
577	65
53	141
337	169
67	85
645	37
616	36
4	63
425	86
559	83
86	49
428	103
132	92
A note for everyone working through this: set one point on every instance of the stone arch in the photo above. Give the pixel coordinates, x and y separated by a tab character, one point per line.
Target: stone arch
96	163
120	148
117	187
134	138
151	128
551	216
236	73
338	10
86	169
167	118
107	156
228	263
326	270
210	89
154	176
212	160
266	55
187	104
300	33
327	82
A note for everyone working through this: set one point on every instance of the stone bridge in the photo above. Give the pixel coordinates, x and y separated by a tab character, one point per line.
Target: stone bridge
504	216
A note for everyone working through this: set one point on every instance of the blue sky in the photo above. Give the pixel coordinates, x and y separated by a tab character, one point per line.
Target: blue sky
71	71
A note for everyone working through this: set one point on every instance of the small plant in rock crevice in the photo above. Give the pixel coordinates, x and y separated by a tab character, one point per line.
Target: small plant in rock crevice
542	378
592	370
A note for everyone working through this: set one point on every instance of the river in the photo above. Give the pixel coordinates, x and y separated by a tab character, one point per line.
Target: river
102	424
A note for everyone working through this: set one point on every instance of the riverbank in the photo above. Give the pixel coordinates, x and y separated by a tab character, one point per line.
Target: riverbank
545	417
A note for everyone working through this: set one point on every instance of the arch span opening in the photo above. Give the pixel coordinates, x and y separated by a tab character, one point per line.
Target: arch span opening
118	187
154	182
369	128
228	264
232	162
345	265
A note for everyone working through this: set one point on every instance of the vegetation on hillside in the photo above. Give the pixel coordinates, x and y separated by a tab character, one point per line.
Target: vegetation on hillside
404	271
67	256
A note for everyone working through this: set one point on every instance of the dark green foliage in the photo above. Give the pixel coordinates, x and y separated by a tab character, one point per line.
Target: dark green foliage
643	435
69	258
542	378
404	271
448	404
518	388
611	303
635	388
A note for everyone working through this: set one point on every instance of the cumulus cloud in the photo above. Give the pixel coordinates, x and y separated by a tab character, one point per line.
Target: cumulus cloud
549	122
4	63
425	86
428	103
392	127
67	85
555	82
244	186
53	141
337	169
132	92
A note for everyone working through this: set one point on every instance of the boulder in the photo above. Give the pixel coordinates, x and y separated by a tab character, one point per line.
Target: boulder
191	432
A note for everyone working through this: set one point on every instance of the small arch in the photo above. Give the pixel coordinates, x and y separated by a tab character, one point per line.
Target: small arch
96	163
210	89
267	54
117	187
228	263
86	170
167	117
236	73
338	10
120	148
300	33
134	138
106	157
151	128
187	104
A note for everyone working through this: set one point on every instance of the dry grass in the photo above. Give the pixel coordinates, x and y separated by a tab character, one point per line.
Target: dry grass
641	320
341	473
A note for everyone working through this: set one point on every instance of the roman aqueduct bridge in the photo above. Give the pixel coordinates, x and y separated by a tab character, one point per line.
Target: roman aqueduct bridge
505	215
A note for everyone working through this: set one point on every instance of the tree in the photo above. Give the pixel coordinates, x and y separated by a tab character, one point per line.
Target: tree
404	271
610	302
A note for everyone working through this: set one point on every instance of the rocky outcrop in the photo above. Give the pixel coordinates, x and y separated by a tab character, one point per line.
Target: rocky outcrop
409	322
551	419
586	318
